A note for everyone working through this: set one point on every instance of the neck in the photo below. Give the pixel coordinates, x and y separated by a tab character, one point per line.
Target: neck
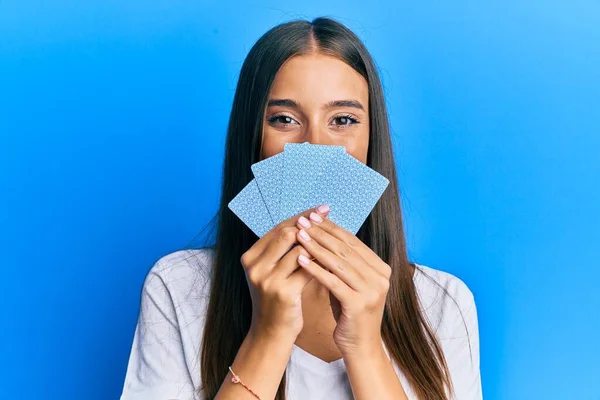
316	308
316	292
316	336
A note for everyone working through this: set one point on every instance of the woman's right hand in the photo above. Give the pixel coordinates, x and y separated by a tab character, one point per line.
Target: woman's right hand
276	280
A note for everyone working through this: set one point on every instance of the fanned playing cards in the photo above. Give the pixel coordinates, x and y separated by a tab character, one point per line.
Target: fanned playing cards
306	175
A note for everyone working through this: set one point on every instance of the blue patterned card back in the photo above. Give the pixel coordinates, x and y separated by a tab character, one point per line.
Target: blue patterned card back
249	206
302	166
268	174
350	188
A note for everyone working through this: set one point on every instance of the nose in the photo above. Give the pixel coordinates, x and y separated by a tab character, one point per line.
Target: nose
316	134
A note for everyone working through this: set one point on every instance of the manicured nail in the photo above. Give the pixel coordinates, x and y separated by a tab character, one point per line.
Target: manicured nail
302	259
323	209
316	217
304	235
304	222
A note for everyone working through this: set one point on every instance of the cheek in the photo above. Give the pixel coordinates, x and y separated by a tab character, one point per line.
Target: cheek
360	153
271	145
358	147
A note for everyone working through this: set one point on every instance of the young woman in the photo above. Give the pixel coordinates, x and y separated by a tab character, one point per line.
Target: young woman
308	311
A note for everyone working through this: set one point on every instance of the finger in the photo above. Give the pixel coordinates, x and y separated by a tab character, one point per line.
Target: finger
332	243
322	210
277	235
339	248
342	268
334	284
354	243
280	244
299	279
288	263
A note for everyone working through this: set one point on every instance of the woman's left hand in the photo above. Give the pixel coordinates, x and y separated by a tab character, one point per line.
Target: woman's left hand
358	282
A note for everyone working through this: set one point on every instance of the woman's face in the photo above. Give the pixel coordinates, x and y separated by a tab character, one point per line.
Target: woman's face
318	99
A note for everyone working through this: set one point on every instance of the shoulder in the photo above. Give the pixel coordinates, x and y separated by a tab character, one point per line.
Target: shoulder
163	360
445	299
433	282
189	261
181	280
182	269
175	298
449	307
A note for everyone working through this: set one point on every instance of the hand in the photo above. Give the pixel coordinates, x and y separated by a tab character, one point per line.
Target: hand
276	281
357	279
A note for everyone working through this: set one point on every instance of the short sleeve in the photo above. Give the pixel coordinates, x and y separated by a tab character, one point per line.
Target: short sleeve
157	368
462	355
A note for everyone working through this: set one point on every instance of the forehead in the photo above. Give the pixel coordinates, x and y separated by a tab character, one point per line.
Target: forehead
318	78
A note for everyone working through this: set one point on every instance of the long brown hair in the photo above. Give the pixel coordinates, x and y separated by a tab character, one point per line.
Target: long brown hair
409	339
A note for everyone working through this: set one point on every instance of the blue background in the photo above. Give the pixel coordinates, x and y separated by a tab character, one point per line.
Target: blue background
112	126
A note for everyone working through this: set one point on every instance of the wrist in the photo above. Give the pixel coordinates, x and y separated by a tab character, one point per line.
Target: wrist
365	351
260	364
271	336
373	375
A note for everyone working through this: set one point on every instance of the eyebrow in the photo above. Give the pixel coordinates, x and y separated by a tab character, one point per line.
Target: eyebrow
332	104
344	103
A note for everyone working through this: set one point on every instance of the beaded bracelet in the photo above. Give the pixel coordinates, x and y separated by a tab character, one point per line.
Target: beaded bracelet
236	379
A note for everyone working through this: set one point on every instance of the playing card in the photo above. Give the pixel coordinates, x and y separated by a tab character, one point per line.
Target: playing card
303	165
268	174
249	206
304	176
350	188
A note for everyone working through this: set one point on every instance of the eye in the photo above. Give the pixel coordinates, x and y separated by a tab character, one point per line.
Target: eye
345	120
282	120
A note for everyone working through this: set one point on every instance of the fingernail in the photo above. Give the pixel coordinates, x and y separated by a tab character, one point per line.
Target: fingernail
304	222
304	235
316	217
323	208
302	259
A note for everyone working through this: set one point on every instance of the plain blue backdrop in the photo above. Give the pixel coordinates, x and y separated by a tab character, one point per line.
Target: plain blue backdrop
112	126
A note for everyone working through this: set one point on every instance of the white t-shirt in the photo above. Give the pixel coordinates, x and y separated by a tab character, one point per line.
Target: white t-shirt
164	359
